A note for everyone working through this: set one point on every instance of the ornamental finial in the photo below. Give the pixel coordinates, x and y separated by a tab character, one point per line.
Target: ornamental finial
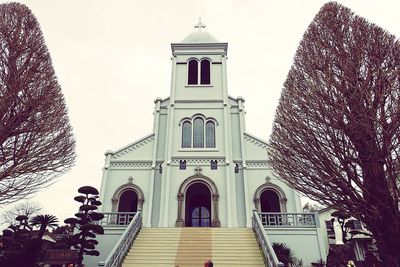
200	25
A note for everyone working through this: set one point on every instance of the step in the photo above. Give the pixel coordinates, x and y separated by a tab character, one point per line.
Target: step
189	247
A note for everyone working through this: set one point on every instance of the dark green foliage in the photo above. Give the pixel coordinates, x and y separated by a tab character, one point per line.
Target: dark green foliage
21	247
88	190
85	222
339	255
285	254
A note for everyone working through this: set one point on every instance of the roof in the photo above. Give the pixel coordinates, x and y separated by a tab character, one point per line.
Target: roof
200	37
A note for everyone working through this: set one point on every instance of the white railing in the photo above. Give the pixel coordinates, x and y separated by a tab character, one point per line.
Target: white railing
124	243
270	258
117	218
287	220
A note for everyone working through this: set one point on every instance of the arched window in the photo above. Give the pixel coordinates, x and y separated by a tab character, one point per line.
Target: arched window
187	134
199	74
210	134
198	132
193	71
205	72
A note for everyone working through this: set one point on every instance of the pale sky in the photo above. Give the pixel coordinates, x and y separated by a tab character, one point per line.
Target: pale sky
112	59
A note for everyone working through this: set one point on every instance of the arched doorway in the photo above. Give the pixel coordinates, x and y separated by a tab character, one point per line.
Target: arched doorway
198	206
198	203
269	201
128	201
270	198
125	197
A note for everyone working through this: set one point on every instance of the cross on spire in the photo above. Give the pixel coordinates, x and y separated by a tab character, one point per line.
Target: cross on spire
200	25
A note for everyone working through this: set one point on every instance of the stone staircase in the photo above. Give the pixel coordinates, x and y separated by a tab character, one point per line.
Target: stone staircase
191	247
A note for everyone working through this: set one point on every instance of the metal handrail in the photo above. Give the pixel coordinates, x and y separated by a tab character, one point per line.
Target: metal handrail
124	243
269	254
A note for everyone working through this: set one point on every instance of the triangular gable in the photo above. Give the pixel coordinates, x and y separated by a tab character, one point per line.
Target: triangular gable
256	148
139	150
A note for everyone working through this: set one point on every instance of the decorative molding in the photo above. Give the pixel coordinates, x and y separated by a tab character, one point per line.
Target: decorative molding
134	146
258	164
116	165
255	141
198	161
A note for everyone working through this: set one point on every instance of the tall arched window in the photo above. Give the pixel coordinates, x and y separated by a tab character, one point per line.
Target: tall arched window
198	132
205	72
187	134
210	134
193	72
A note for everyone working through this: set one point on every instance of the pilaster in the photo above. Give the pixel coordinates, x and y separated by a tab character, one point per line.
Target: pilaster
166	176
104	178
242	127
154	160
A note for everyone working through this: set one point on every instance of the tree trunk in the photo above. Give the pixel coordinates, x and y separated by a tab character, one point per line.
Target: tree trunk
388	246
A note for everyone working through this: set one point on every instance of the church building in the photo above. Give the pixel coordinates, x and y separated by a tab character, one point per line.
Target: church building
199	167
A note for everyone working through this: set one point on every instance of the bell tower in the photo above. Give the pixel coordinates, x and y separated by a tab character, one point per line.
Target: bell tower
198	128
199	68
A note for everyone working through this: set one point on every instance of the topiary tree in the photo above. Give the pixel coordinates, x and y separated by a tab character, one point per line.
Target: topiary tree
86	222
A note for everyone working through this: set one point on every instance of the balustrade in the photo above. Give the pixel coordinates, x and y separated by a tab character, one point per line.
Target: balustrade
280	219
117	218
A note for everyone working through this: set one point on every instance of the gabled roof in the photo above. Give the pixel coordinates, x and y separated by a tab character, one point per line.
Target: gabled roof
132	146
259	142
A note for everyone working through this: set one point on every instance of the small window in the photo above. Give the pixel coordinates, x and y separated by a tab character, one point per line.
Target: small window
198	132
205	72
193	72
354	224
210	134
187	134
329	228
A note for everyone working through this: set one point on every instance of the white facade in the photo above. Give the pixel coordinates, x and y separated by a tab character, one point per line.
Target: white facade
181	176
153	161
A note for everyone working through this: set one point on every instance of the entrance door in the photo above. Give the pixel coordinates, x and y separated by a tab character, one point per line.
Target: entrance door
198	206
269	201
128	202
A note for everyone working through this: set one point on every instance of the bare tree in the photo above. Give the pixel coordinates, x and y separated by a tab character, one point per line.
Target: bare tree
336	132
36	140
28	208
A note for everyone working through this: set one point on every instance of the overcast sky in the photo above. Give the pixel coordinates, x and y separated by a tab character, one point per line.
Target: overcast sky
112	59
